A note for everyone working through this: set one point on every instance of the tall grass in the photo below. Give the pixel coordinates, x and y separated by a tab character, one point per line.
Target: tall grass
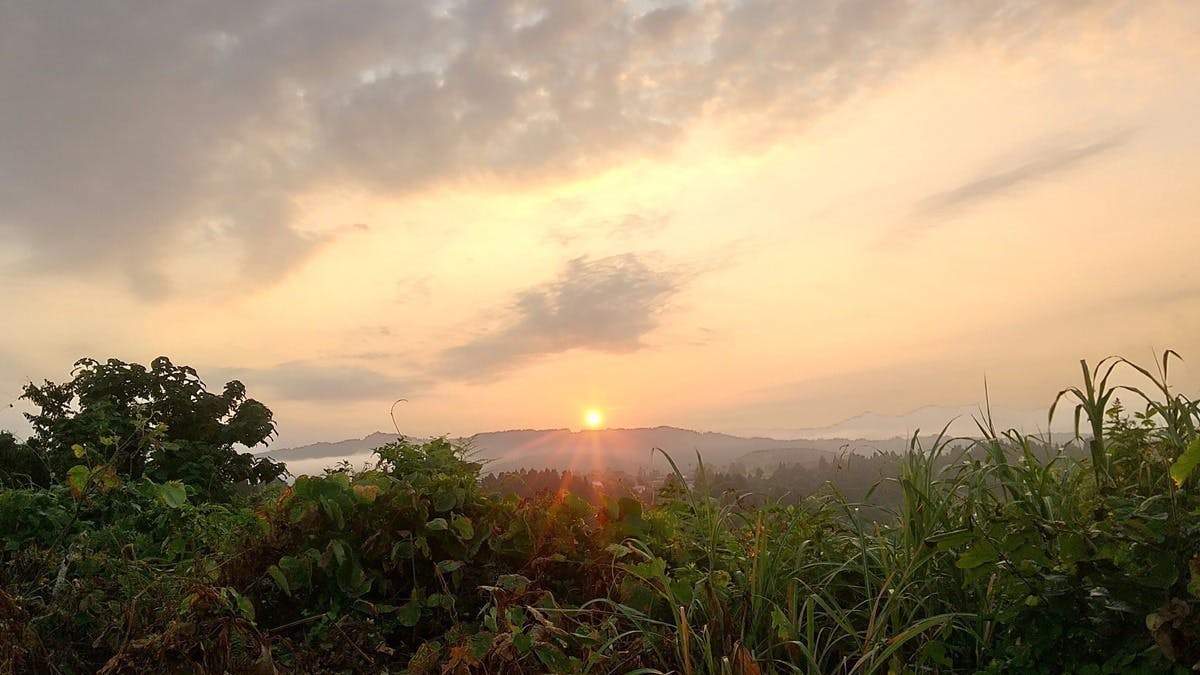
996	538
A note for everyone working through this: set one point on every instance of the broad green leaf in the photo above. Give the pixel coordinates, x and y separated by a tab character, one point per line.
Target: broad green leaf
618	550
409	614
1073	547
448	566
109	480
480	644
444	501
682	592
173	494
463	525
655	568
979	554
1183	467
437	525
522	642
78	451
514	583
77	478
517	616
629	508
441	600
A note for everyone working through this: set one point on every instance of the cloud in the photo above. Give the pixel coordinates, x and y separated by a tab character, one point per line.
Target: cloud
303	381
606	305
130	132
1045	164
623	228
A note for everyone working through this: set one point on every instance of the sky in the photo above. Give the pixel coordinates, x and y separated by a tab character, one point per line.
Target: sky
730	216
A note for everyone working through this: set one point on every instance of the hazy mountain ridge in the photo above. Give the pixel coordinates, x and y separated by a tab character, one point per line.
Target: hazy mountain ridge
620	449
599	450
959	420
633	449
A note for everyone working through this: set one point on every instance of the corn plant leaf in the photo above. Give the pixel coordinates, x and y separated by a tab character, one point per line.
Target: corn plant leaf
1182	469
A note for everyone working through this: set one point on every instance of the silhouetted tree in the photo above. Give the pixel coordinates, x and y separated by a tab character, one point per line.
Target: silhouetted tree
20	466
160	422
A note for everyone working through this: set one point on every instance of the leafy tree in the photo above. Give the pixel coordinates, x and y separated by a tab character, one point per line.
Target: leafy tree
19	465
160	422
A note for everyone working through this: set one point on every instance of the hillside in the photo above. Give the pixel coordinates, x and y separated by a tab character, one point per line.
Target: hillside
602	450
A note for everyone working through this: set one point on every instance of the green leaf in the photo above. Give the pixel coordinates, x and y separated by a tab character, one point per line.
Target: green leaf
77	478
618	550
463	526
979	554
952	539
409	614
448	566
1183	467
653	569
1073	547
78	451
1193	585
109	480
245	607
437	525
630	509
173	494
517	616
441	600
480	644
682	592
514	583
280	579
444	501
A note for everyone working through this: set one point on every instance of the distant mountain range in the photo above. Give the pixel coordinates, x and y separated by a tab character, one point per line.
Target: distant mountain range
583	451
626	450
928	419
633	449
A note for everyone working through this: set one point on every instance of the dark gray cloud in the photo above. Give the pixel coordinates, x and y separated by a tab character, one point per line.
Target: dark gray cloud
301	381
129	131
607	305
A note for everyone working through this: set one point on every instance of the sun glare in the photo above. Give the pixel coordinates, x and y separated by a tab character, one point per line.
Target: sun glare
593	419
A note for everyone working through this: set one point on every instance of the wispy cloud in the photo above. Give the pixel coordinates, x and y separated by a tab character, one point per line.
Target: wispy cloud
623	228
1044	164
609	305
305	381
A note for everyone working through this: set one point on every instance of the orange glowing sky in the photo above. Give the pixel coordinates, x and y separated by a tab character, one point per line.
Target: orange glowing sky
732	216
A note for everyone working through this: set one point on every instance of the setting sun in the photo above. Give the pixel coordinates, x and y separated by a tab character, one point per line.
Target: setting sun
593	419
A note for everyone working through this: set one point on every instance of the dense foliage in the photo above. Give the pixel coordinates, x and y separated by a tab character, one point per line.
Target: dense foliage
1001	554
160	422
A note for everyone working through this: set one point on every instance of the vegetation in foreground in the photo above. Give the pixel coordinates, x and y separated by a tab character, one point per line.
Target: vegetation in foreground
135	538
